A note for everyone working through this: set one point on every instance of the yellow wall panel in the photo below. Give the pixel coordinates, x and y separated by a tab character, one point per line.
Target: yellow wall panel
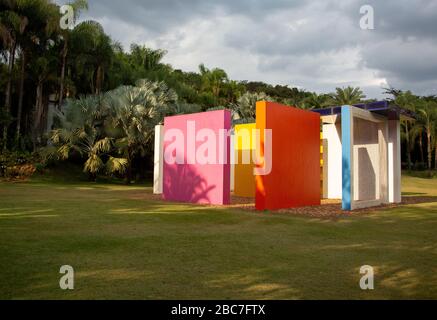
244	166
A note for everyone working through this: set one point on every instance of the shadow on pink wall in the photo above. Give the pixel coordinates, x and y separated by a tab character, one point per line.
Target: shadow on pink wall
184	184
205	181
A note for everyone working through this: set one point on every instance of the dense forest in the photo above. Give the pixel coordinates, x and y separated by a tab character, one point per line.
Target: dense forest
106	99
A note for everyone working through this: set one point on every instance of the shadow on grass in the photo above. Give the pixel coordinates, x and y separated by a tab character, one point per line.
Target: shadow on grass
418	199
127	243
424	174
269	262
413	193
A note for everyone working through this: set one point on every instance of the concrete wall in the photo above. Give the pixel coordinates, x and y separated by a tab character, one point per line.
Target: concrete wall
383	161
332	165
394	161
365	160
232	157
158	167
366	164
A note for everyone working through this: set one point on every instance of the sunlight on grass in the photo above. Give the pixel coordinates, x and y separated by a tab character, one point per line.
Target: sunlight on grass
25	212
253	287
113	274
125	243
32	216
405	280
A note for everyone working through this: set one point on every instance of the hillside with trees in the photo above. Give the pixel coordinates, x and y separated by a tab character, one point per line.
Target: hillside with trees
93	87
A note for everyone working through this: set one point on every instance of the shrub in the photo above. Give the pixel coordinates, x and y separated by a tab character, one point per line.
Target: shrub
18	165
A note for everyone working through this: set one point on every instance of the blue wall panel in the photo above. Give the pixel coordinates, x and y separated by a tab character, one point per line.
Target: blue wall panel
347	157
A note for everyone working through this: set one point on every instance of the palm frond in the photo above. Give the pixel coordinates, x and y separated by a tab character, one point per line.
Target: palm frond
102	146
64	152
116	165
93	164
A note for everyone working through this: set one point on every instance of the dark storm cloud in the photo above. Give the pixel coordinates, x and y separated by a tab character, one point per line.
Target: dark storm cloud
313	44
160	15
403	47
402	18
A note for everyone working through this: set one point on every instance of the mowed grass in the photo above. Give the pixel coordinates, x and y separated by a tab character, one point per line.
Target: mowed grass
123	246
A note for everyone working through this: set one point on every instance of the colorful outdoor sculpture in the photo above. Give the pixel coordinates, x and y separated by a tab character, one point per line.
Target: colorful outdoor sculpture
289	158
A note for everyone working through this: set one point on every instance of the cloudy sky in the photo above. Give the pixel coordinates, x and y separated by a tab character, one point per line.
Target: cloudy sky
316	45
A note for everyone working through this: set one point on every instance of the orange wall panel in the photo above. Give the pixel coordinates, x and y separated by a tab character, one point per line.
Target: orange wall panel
294	180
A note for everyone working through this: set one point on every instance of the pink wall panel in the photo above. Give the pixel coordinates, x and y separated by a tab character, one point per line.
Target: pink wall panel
195	181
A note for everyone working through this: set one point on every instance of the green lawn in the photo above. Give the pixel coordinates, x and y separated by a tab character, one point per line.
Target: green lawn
123	246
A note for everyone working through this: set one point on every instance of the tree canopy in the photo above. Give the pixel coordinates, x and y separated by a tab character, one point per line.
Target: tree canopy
92	79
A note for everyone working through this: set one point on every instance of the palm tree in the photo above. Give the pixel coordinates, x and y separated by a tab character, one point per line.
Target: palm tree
145	57
28	24
408	101
347	96
11	25
233	90
135	111
111	129
43	70
213	80
86	142
435	146
316	101
82	132
78	6
93	52
416	134
23	59
39	23
186	108
428	112
244	111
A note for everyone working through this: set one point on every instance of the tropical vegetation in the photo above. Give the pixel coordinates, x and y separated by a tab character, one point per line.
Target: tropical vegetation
77	94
